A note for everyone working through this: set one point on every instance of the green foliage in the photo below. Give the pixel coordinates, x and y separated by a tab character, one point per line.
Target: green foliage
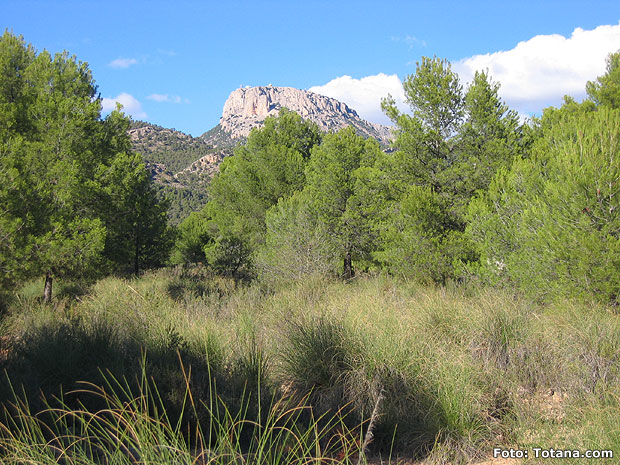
138	236
420	240
606	89
58	214
15	57
435	95
183	201
550	224
227	251
47	163
297	245
335	195
489	139
436	100
449	148
268	167
192	236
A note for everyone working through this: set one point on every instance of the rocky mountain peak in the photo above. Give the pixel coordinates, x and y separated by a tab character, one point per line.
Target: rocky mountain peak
247	108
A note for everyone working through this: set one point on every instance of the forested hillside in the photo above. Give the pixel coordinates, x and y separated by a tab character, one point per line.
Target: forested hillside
180	165
168	147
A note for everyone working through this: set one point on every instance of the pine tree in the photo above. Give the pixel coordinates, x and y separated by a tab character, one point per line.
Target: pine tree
270	166
332	189
425	139
606	89
56	155
550	224
489	139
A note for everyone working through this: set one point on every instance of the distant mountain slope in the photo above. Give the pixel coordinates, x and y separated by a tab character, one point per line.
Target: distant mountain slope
169	147
180	165
218	137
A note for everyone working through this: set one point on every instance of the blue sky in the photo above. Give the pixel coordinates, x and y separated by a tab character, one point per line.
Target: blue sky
175	63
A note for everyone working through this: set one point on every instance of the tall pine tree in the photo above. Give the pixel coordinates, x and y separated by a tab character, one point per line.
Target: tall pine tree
56	219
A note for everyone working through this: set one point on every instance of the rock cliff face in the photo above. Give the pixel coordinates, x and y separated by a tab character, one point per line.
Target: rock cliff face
247	108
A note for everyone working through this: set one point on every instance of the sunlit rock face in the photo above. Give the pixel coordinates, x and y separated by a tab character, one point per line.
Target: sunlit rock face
247	108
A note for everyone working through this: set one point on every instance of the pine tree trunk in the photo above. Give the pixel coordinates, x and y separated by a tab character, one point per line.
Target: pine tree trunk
47	290
136	258
348	267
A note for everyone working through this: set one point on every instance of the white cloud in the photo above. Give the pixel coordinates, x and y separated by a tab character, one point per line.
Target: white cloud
540	71
131	105
167	98
411	41
533	75
159	97
122	62
364	95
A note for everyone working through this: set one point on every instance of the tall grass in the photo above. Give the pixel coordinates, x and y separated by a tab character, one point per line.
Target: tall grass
445	374
133	427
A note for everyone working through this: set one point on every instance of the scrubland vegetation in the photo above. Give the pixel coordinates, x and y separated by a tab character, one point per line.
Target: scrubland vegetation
179	365
331	303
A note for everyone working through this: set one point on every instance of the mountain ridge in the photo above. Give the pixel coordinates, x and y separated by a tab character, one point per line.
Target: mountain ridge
248	107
